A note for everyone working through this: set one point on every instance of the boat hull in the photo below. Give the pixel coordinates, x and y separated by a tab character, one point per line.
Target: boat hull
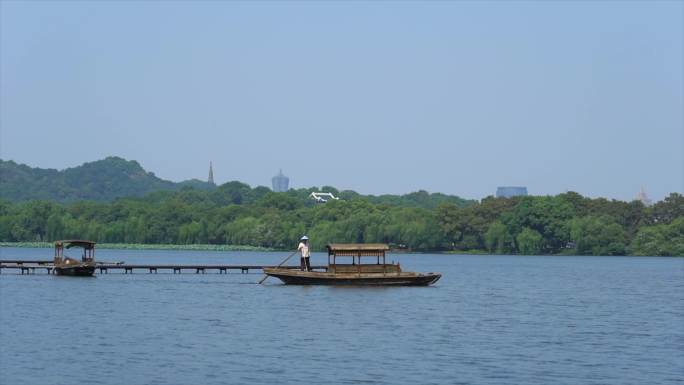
290	277
76	271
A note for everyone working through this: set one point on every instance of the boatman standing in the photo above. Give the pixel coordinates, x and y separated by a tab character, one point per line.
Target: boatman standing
303	248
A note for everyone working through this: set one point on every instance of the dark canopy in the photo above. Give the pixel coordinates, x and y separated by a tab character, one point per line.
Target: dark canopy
69	243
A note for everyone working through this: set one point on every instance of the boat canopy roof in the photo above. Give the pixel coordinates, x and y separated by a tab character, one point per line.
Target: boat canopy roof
69	243
357	249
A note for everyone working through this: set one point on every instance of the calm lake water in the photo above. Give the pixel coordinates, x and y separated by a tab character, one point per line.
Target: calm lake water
489	320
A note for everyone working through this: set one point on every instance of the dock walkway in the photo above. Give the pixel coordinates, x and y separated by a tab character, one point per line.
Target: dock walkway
31	266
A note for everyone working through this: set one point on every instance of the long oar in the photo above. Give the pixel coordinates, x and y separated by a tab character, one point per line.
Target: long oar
281	263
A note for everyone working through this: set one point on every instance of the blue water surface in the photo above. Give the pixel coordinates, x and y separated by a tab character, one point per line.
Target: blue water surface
489	320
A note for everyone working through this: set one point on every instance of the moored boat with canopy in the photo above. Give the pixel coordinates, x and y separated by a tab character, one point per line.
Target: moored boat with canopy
65	265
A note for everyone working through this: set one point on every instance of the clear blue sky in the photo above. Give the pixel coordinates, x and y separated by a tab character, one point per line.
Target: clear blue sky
454	97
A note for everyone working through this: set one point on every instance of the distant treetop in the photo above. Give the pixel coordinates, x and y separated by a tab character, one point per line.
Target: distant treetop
102	180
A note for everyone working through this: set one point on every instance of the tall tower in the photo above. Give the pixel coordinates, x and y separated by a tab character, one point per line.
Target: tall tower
643	197
280	182
211	174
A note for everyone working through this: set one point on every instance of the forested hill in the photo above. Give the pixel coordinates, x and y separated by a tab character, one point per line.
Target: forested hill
155	211
102	180
113	177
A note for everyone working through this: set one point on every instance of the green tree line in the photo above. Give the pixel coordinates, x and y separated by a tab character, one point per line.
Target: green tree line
236	214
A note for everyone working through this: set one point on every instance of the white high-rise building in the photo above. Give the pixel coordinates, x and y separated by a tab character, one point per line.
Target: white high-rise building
643	197
280	182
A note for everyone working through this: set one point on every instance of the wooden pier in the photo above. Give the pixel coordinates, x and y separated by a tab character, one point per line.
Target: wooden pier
30	267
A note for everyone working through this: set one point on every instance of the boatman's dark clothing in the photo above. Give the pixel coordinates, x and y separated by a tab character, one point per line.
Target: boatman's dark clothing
304	263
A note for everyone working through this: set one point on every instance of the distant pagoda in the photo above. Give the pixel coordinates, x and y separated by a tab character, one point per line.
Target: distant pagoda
280	182
211	174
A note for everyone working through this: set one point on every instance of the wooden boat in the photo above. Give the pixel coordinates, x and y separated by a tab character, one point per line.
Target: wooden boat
65	265
356	273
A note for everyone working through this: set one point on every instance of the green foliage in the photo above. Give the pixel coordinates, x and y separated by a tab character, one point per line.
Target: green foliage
598	236
141	246
529	241
102	180
415	199
664	240
237	214
498	240
545	215
666	211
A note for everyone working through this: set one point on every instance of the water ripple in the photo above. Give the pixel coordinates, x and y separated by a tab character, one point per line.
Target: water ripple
490	320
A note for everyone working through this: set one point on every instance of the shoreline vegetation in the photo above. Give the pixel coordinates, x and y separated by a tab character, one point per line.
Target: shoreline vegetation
143	246
211	217
236	217
198	247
